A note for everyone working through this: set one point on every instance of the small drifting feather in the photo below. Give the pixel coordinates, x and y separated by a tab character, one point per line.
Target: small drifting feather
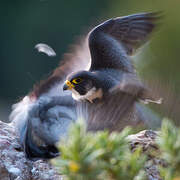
147	101
41	47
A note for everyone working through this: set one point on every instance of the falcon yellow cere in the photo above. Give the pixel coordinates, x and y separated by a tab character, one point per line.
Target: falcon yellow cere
68	85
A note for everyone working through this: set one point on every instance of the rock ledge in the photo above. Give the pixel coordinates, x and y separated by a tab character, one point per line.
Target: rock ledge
15	166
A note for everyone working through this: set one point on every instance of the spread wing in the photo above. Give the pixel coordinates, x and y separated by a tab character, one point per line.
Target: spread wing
113	113
111	42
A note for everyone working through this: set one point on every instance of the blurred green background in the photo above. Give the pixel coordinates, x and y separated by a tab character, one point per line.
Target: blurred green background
58	22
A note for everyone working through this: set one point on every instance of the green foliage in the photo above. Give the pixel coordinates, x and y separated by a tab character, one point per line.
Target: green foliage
86	156
169	144
99	156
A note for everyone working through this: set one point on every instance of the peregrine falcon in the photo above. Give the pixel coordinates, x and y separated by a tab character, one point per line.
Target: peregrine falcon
111	85
111	44
106	89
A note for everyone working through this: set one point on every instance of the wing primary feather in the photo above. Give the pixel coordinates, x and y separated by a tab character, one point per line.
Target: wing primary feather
114	40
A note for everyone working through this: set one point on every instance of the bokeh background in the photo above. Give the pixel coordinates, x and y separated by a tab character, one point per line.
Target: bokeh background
58	22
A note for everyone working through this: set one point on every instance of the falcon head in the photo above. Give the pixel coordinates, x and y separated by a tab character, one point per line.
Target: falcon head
85	85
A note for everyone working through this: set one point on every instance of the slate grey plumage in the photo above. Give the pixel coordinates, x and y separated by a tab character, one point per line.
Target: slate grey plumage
48	110
112	72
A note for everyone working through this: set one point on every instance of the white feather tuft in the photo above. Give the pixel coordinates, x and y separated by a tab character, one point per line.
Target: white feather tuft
19	113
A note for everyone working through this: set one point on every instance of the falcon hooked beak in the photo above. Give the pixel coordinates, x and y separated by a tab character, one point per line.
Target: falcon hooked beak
68	85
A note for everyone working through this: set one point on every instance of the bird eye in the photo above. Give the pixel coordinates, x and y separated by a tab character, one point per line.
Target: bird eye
77	80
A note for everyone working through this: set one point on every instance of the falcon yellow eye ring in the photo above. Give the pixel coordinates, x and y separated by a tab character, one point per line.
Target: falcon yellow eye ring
77	80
